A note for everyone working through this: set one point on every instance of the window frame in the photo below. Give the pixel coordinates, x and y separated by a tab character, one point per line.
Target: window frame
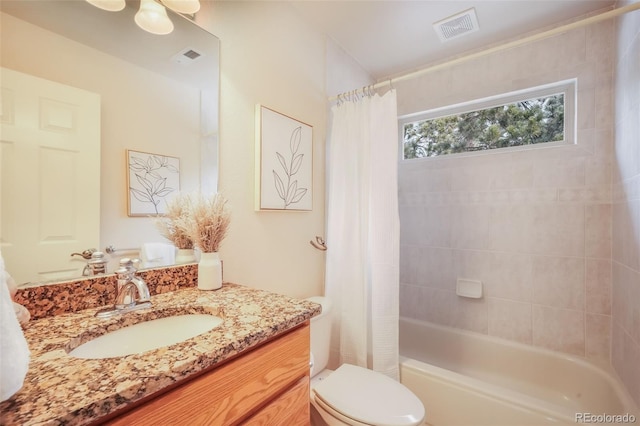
568	88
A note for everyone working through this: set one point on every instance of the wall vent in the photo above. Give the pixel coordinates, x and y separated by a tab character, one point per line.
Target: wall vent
457	25
186	56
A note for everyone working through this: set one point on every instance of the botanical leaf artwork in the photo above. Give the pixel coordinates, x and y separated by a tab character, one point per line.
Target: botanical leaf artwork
285	170
151	179
287	185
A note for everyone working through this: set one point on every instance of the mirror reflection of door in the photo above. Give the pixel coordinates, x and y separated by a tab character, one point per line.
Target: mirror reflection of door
49	154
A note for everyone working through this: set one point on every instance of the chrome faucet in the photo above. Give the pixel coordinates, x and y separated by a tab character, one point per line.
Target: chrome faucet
96	265
132	292
126	276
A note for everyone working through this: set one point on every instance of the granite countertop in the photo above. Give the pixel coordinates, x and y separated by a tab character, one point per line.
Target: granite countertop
59	389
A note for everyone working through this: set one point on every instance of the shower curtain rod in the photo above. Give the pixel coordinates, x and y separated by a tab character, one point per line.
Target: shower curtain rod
535	37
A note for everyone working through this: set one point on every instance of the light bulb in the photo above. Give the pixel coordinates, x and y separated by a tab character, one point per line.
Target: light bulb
152	17
110	5
183	6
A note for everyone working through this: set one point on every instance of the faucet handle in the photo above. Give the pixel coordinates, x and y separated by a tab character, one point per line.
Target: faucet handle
124	266
131	264
125	271
122	272
135	263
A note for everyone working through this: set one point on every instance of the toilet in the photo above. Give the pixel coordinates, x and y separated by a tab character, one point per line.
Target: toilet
353	395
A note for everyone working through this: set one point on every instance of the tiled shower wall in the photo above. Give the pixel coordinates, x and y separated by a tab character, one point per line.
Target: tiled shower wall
626	205
533	225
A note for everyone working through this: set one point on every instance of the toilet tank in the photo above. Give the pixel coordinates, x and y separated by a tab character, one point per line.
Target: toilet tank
320	335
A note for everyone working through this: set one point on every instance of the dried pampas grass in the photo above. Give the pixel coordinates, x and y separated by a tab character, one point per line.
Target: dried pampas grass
208	221
170	226
196	221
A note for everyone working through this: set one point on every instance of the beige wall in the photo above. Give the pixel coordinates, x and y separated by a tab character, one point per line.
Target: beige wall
269	56
534	226
626	204
141	110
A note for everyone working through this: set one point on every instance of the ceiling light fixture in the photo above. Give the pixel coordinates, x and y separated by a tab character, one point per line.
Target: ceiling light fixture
152	15
188	7
110	5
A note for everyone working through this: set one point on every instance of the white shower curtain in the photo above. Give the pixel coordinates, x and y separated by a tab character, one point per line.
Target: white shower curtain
362	270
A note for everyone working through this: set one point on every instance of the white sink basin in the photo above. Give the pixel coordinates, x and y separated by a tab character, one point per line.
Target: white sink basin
146	336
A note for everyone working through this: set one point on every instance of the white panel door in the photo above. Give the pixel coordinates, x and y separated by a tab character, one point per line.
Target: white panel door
50	176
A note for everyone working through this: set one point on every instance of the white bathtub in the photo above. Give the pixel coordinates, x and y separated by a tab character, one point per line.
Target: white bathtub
465	378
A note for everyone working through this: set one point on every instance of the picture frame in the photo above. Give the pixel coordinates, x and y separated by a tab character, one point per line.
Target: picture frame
151	180
284	162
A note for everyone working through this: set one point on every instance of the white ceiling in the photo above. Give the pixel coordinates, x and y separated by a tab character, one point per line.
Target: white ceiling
392	37
386	37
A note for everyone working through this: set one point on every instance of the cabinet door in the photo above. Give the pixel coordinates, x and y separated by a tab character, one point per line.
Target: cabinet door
233	392
290	408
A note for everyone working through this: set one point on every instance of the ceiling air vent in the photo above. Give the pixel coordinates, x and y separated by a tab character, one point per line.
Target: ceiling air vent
457	25
186	56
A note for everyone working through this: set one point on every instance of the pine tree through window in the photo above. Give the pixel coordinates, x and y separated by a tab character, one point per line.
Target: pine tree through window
511	120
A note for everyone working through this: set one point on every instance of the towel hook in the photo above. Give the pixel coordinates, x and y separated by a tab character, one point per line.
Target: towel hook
319	243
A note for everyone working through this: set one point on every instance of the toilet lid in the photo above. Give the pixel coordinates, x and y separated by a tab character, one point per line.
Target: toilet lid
370	397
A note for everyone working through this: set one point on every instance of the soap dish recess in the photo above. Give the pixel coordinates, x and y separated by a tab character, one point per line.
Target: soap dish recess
469	288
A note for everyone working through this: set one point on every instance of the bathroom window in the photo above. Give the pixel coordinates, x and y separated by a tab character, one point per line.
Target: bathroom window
539	115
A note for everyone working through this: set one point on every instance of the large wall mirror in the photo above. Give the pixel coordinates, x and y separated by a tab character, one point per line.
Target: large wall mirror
102	86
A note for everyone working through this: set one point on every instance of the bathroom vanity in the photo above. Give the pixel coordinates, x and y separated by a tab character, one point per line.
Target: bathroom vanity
267	386
241	372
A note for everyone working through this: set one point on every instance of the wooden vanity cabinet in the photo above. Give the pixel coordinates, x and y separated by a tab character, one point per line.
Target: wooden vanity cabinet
269	385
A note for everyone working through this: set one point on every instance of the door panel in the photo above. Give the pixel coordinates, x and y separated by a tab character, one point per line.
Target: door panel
50	176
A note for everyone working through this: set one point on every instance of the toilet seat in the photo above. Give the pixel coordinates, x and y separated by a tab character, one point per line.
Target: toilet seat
344	419
359	396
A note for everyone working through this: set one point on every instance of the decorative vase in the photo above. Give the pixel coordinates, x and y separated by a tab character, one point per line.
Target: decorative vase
209	271
185	256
